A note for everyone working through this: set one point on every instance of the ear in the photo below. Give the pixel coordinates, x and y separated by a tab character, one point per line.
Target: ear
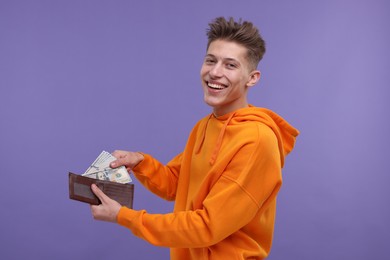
254	77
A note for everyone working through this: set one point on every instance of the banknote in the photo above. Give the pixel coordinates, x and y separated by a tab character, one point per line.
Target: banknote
100	169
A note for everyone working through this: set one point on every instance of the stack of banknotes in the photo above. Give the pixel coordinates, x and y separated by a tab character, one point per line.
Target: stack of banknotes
101	170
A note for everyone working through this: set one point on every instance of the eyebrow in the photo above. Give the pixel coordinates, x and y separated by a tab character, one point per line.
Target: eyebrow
225	59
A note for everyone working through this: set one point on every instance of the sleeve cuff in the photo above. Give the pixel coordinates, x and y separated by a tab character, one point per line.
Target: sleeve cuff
126	216
139	167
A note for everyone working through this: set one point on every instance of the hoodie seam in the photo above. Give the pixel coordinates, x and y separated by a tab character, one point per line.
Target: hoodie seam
243	189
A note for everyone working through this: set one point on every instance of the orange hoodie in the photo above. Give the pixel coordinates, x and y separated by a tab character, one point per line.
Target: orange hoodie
224	185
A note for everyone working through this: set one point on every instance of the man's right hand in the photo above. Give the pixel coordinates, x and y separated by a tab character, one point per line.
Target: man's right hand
127	159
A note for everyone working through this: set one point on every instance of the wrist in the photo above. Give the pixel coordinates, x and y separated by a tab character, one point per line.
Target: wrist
139	157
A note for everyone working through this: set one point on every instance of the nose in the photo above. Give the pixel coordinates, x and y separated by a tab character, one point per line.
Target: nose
216	70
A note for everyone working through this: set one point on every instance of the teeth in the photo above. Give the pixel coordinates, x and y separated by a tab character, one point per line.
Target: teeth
215	86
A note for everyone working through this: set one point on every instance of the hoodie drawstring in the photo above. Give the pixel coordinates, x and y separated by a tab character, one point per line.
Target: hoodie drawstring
219	140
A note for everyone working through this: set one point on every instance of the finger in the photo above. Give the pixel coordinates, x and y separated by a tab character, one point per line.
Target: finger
99	193
118	162
95	211
117	153
114	164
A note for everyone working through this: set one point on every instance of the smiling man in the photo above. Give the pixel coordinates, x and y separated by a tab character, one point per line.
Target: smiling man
226	180
226	76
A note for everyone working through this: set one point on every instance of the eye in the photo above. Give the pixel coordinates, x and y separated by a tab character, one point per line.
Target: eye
209	61
231	65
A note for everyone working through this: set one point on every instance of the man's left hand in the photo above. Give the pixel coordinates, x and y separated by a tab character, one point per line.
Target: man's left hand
108	210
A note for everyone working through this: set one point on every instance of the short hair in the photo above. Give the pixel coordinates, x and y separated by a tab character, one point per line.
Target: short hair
241	32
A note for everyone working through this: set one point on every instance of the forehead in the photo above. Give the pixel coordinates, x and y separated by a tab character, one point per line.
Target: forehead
227	50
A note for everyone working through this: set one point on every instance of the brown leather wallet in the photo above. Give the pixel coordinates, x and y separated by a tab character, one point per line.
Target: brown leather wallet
80	189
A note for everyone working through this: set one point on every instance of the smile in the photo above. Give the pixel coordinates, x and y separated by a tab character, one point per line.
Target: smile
215	86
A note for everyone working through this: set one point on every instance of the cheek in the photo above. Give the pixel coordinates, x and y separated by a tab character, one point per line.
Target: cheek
203	71
242	80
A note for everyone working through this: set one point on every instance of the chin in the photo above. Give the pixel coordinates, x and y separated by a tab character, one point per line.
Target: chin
212	104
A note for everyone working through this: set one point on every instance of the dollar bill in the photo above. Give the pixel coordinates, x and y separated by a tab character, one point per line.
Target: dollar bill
100	169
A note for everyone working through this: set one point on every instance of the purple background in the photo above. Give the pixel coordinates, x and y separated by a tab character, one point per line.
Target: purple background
79	77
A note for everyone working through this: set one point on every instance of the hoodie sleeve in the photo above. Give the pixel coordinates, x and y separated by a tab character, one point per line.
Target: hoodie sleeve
158	178
246	188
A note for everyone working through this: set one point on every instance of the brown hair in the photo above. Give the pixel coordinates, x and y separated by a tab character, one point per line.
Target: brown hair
241	32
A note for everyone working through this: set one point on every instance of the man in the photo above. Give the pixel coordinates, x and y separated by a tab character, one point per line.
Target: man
226	180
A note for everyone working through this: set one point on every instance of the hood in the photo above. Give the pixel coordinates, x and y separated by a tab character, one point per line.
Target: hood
284	132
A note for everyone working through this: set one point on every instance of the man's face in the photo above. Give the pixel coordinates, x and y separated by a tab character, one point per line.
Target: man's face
226	76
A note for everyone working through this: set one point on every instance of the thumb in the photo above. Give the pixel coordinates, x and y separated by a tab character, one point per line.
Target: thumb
117	163
99	193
